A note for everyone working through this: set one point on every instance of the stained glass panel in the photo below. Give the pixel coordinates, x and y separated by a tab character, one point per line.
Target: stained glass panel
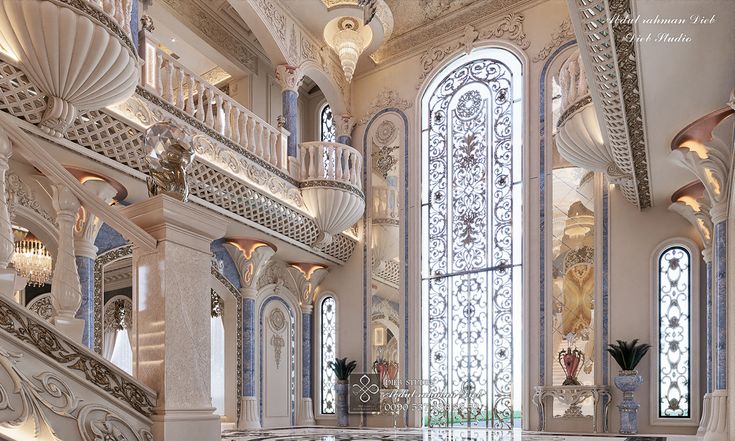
674	348
471	235
328	353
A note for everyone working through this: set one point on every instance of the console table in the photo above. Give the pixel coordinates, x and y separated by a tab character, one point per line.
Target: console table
573	397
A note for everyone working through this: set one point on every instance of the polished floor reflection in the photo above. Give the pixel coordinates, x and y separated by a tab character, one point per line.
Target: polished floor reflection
374	434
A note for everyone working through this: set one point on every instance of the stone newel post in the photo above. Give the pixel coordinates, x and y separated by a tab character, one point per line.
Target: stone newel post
173	302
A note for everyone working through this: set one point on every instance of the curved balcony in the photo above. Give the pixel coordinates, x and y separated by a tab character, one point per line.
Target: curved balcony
579	138
385	228
331	186
78	53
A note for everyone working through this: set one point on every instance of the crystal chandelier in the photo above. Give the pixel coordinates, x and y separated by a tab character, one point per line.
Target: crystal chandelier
31	259
349	44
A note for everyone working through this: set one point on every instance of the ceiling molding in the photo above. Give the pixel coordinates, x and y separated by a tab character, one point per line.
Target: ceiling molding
612	72
222	28
477	14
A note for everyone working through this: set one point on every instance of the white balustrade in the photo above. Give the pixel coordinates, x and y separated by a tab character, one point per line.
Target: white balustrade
385	203
330	161
193	95
119	10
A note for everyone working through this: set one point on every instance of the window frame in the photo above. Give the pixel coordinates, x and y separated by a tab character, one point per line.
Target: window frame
317	353
695	335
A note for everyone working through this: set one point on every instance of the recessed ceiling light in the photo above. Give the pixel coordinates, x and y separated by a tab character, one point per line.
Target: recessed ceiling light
173	40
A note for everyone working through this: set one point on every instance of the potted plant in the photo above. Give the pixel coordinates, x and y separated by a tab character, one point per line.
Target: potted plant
628	355
342	370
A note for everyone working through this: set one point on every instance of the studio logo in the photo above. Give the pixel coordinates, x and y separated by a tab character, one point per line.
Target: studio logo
364	393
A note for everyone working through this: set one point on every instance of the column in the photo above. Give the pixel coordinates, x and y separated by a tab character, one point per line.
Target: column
172	302
344	124
709	160
289	77
304	278
9	279
85	232
251	258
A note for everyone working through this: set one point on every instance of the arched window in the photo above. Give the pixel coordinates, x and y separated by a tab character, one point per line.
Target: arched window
328	333
217	337
327	131
674	332
471	239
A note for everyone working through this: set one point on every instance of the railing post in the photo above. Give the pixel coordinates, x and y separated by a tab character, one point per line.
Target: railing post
66	293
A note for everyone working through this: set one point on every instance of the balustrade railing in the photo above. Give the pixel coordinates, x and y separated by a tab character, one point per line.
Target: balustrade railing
120	10
385	203
205	103
331	161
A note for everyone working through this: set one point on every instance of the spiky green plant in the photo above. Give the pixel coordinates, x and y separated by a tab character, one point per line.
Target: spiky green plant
628	354
342	369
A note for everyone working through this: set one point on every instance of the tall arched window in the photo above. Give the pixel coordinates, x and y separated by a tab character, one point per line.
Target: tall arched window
327	131
328	334
471	239
674	332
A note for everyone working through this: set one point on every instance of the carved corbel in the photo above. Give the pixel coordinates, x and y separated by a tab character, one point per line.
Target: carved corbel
345	125
250	257
305	278
289	77
692	203
708	157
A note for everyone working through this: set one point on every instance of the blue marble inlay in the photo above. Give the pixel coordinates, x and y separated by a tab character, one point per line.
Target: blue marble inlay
230	269
134	23
108	238
345	139
605	285
306	355
542	209
291	116
708	337
248	347
720	264
85	268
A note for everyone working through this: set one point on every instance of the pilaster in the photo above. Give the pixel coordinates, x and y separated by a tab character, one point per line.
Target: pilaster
251	258
172	315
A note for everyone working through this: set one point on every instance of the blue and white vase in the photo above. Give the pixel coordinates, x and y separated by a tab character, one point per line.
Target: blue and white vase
628	382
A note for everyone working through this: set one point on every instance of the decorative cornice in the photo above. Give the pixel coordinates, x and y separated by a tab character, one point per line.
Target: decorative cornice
414	40
562	34
34	331
387	98
616	89
211	29
509	27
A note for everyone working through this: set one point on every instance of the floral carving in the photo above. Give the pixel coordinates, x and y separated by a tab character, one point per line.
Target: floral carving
41	305
386	99
561	35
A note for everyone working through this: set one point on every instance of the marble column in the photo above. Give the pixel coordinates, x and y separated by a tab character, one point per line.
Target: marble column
85	232
290	77
172	302
304	278
344	124
719	263
251	258
9	279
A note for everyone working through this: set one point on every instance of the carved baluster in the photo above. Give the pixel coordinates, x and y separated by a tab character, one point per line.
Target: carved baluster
168	91
200	101
320	169
159	72
273	147
264	139
209	116
259	139
235	124
180	92
251	133
227	119
341	171
304	155
220	114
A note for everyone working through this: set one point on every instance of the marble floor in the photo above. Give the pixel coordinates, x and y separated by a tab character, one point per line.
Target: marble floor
378	434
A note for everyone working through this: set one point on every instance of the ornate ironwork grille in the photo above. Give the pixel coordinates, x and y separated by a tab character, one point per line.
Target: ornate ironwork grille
327	131
674	333
328	353
471	226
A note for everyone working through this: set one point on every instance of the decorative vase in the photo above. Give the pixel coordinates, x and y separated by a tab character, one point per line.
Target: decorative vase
628	382
340	390
571	362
